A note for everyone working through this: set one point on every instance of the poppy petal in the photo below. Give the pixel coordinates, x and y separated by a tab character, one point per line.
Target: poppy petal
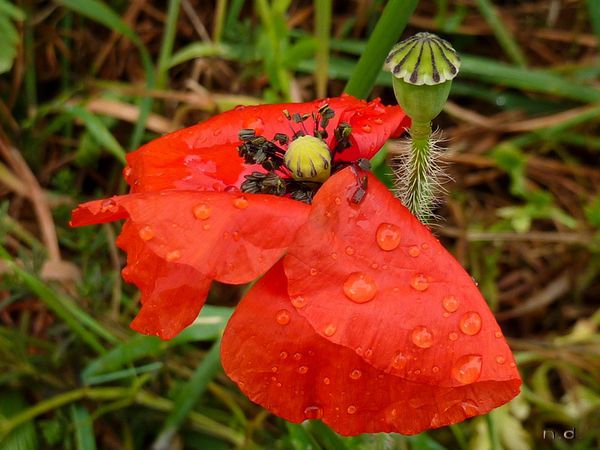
372	278
172	294
205	156
229	237
279	362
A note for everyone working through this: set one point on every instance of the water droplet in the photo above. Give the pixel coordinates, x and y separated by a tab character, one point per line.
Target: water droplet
425	246
283	355
388	236
326	380
446	314
283	317
299	302
453	336
374	266
329	330
206	226
378	120
278	384
399	361
498	334
313	271
225	234
368	353
349	251
417	372
127	172
334	256
302	369
239	108
419	283
274	369
435	369
355	374
254	123
297	356
414	251
360	287
366	128
352	409
173	255
240	202
311	353
146	233
512	364
109	205
337	200
236	236
359	351
450	303
422	337
470	323
313	412
467	369
500	359
202	211
273	378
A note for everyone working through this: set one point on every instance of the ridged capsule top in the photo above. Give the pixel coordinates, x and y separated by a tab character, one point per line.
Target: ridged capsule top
423	59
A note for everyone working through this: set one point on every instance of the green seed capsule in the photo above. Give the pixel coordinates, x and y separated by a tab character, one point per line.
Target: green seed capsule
423	67
309	159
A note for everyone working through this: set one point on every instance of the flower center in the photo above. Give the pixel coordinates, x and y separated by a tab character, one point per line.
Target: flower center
309	159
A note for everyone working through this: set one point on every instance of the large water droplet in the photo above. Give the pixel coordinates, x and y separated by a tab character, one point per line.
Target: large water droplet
388	236
283	317
240	202
329	330
360	287
202	211
173	255
467	369
470	323
146	233
299	301
450	303
355	374
419	282
313	412
422	337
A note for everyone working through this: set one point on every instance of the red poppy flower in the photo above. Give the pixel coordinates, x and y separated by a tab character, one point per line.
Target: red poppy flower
362	319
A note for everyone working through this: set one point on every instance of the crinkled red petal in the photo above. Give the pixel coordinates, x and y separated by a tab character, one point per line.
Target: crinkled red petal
172	293
205	156
372	278
229	237
279	362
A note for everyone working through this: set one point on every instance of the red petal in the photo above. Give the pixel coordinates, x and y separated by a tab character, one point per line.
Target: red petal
205	156
278	361
172	294
381	280
229	237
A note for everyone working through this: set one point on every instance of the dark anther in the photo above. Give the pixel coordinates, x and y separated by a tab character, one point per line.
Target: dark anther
360	191
246	134
283	139
342	136
363	163
358	168
264	183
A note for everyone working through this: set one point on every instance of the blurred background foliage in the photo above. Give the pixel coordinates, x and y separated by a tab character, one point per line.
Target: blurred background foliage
84	81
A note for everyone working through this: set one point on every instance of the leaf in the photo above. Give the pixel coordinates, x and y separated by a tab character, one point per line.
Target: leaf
84	431
10	37
23	437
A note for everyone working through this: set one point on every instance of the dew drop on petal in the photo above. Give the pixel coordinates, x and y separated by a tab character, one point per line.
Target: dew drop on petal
283	355
206	226
421	337
146	233
419	282
453	336
374	266
173	255
355	374
378	120
352	409
498	334
368	353
297	356
240	202
366	128
109	205
337	200
302	369
450	303
313	412
512	364
254	123
470	323
313	271
360	287
435	369
326	380
329	330
236	236
399	361
349	250
500	359
467	369
202	211
414	251
388	236
283	317
334	256
299	302
274	369
127	172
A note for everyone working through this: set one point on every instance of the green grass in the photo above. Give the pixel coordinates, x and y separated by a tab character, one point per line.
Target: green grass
522	212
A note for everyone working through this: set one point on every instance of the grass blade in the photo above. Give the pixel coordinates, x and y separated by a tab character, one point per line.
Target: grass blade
387	32
322	31
84	431
166	49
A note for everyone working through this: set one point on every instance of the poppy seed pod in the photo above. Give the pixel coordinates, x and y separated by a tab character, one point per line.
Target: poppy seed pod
423	67
309	159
